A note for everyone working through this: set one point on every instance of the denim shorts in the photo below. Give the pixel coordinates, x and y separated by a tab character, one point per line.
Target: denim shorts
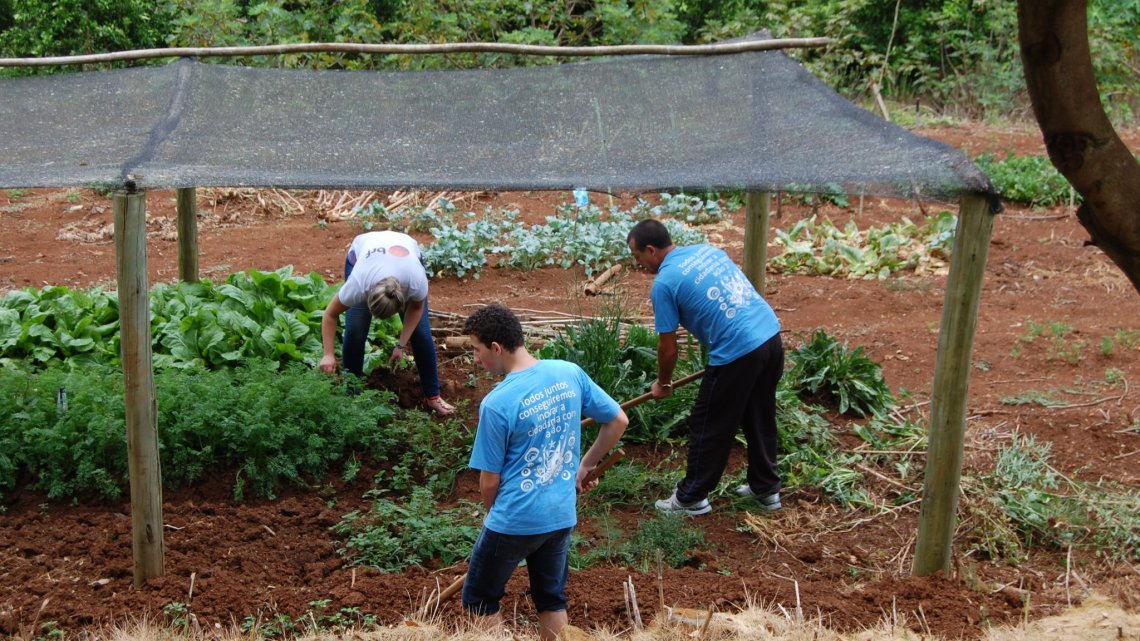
495	557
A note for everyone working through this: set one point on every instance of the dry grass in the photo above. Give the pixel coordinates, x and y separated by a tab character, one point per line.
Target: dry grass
1097	619
225	203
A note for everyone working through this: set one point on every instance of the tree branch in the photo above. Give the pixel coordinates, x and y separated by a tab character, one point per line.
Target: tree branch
420	49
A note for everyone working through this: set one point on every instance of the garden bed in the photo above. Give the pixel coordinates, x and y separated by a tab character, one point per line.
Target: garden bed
1051	360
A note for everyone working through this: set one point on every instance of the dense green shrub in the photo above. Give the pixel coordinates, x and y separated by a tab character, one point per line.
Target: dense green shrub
40	28
1027	179
959	56
217	23
6	17
66	431
538	22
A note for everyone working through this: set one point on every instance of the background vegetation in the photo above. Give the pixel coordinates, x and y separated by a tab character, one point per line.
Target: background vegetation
951	57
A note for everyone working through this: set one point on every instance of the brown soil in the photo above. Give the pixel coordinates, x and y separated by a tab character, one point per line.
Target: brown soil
71	563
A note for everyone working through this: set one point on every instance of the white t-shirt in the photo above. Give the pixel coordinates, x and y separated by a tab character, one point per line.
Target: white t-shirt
377	255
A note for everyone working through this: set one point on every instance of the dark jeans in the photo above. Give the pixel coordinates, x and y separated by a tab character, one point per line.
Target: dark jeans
739	394
495	557
358	320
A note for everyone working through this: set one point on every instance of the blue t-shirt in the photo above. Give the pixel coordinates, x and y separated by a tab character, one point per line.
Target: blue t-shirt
530	434
699	286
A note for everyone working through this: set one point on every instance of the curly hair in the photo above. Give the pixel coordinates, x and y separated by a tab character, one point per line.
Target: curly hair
495	324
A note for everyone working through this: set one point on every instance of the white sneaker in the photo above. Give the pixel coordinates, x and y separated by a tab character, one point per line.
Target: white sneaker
673	506
769	502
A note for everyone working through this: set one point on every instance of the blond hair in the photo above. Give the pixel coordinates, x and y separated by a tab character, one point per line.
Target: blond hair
386	298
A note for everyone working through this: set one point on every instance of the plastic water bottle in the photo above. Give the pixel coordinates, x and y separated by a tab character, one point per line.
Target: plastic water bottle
581	198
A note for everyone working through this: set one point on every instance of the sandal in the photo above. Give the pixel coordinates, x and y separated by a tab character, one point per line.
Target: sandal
439	406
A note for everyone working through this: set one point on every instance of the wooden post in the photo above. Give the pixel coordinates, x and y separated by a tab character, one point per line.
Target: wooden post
951	382
187	199
138	383
756	208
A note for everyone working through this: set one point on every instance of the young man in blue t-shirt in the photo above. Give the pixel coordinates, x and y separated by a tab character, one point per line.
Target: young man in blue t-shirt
528	453
700	288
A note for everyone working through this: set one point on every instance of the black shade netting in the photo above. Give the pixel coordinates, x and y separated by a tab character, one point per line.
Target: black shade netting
752	121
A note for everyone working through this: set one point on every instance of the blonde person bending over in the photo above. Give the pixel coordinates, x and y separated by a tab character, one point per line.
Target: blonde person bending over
384	275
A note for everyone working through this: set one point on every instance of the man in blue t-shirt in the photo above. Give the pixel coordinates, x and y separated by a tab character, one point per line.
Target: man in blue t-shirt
700	288
528	453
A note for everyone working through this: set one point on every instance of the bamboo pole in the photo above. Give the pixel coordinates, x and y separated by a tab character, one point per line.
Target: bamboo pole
187	205
594	287
756	217
138	383
718	48
951	383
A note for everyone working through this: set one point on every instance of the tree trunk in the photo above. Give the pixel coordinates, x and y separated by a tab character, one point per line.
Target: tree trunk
1078	135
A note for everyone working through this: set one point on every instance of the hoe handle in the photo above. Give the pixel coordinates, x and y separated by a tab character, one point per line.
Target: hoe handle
606	464
634	402
450	590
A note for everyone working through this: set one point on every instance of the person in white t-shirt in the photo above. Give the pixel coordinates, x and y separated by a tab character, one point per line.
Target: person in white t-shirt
384	275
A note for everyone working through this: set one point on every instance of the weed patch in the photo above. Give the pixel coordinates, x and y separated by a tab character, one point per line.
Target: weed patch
671	536
397	533
621	357
1024	502
826	371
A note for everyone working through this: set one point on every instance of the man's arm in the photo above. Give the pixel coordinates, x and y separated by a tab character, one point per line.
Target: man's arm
488	488
608	436
328	333
666	363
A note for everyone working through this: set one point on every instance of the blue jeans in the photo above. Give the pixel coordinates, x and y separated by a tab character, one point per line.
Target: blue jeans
358	320
495	557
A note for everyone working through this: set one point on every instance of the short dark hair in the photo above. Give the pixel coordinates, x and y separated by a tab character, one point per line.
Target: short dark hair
495	324
649	232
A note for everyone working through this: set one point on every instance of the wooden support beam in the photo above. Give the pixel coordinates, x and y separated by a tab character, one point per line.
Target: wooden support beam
187	200
951	383
138	382
756	209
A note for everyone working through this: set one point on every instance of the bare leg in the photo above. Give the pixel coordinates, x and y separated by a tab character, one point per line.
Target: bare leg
490	622
550	624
